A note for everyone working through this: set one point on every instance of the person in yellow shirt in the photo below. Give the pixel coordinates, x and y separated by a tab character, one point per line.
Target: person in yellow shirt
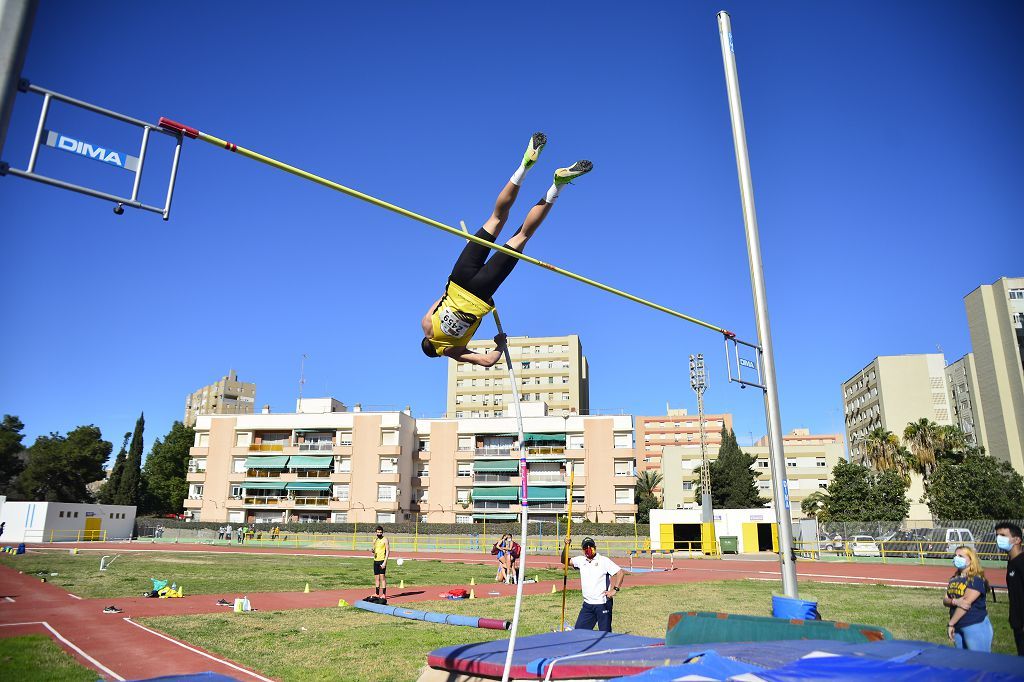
452	320
381	552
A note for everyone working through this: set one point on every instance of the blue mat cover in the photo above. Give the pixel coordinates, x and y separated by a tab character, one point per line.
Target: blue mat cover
194	677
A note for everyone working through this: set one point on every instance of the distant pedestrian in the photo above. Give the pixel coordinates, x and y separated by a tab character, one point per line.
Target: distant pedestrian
969	626
1008	539
596	574
2	525
227	532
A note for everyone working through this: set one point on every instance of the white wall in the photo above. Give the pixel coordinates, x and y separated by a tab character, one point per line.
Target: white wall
727	521
63	521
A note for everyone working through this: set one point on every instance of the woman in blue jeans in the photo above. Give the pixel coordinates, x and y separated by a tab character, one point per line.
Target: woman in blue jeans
969	626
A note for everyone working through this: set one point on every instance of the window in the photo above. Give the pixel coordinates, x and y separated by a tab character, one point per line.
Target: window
458	415
238	465
762	464
242	440
61	515
345	438
577	467
623	496
575	441
622	518
424	470
341	517
687	485
791	463
201	464
464	469
195	492
579	496
764	485
76	513
388	465
341	491
389	437
236	491
623	467
424	445
203	440
385	517
823	486
623	440
345	465
462	495
465	443
386	492
819	462
463	518
423	495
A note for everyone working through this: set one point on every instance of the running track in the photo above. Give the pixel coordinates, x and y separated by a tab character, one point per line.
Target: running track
120	649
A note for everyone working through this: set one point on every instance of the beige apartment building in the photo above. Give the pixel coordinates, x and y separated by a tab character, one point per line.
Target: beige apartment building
995	315
227	396
468	471
323	463
965	399
550	369
676	428
328	463
810	459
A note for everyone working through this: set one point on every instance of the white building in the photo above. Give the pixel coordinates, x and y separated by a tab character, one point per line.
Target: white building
66	522
680	529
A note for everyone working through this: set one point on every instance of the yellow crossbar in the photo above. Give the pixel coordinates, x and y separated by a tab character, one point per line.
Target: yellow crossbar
306	175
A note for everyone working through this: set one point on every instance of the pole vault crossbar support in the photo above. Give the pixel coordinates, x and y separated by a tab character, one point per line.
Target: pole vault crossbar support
735	355
130	163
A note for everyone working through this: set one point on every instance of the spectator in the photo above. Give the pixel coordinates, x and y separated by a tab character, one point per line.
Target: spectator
504	554
227	532
1008	539
596	573
969	626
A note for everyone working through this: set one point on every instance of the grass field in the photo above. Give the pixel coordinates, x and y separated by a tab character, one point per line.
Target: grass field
36	658
348	644
216	573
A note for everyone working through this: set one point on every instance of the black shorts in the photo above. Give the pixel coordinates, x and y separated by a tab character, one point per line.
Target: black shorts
479	275
379	568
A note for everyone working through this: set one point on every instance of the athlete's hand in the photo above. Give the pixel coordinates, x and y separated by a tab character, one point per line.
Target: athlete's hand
499	340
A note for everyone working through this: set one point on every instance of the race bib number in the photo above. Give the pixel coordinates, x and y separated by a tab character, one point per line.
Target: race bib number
455	323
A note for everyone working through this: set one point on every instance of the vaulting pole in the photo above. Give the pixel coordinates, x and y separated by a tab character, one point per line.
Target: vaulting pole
568	546
524	504
230	146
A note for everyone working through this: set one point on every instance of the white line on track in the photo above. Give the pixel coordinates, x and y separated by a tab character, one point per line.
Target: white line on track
70	645
75	596
197	651
10	599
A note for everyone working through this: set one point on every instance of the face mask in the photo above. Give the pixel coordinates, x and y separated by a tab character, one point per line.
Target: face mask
1003	543
590	552
960	562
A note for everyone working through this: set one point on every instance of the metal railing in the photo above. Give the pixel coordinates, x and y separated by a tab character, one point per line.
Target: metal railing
318	446
895	551
314	501
267	447
96	535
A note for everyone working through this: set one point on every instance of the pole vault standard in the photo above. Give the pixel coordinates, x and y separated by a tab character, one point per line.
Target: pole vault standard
764	333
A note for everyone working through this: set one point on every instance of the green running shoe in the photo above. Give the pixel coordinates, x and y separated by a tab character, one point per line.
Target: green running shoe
564	176
537	143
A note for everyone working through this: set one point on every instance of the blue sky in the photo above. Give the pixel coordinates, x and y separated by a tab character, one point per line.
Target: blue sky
885	142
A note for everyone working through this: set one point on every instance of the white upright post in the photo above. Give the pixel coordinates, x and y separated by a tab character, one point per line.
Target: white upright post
764	335
16	19
525	508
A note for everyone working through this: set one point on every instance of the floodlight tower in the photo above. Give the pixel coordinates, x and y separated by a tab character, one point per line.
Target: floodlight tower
699	384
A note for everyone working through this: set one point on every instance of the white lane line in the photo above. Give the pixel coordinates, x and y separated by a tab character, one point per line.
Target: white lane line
10	599
99	666
74	595
197	651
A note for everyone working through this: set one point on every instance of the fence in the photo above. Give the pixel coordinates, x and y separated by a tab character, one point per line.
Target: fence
97	535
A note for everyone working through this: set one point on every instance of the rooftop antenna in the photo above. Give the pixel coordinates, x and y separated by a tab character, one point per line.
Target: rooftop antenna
302	378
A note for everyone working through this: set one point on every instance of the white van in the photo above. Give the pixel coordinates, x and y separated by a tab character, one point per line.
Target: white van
942	542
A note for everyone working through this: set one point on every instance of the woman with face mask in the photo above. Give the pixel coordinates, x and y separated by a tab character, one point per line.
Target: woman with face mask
969	626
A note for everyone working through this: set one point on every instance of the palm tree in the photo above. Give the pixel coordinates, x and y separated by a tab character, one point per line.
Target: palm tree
951	439
883	451
814	504
646	482
923	439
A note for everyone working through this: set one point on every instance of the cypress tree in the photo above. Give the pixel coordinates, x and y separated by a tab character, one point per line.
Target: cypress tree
732	478
131	489
108	492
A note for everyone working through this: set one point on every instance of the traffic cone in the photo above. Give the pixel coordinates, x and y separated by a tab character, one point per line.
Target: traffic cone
401	584
536	578
553	590
342	603
181	590
306	591
472	581
472	594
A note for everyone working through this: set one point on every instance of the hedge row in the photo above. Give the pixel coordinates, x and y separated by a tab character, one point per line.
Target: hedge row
408	527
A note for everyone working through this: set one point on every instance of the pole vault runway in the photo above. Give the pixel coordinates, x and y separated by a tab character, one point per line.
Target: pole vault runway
119	648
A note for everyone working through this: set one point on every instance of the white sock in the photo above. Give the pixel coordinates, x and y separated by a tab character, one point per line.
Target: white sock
517	177
553	193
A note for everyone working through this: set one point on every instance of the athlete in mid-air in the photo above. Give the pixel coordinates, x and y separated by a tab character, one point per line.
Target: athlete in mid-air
452	320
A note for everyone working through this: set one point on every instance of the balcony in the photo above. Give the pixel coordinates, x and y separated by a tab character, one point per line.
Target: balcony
548	477
313	501
195	476
317	446
267	447
504	479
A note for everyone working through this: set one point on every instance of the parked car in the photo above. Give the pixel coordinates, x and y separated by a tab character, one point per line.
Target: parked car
904	543
942	542
830	543
863	545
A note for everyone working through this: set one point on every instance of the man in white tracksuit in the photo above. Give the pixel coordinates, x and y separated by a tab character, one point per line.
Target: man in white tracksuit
597	573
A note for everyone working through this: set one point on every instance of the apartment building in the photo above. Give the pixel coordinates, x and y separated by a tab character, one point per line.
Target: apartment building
325	462
467	469
810	459
891	392
965	399
320	463
995	315
227	396
676	428
550	369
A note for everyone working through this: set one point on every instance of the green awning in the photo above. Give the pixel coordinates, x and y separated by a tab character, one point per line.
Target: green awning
544	494
276	462
544	437
497	517
309	485
268	484
310	462
508	492
505	465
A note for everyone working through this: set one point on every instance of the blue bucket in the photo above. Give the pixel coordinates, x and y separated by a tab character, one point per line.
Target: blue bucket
794	609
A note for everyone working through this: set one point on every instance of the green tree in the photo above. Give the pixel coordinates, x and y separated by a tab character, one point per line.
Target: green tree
883	450
732	479
108	492
857	493
10	450
59	467
814	504
979	487
165	470
923	438
131	489
644	494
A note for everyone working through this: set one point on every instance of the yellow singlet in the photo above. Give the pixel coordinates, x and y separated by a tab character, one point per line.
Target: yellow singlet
379	549
456	318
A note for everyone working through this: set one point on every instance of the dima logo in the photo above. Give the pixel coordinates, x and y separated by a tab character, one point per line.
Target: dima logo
82	148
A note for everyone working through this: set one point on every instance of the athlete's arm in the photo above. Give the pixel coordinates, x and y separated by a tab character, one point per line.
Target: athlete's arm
387	551
463	354
425	323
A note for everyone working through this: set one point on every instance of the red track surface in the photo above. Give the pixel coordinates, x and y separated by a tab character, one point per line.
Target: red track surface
128	651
